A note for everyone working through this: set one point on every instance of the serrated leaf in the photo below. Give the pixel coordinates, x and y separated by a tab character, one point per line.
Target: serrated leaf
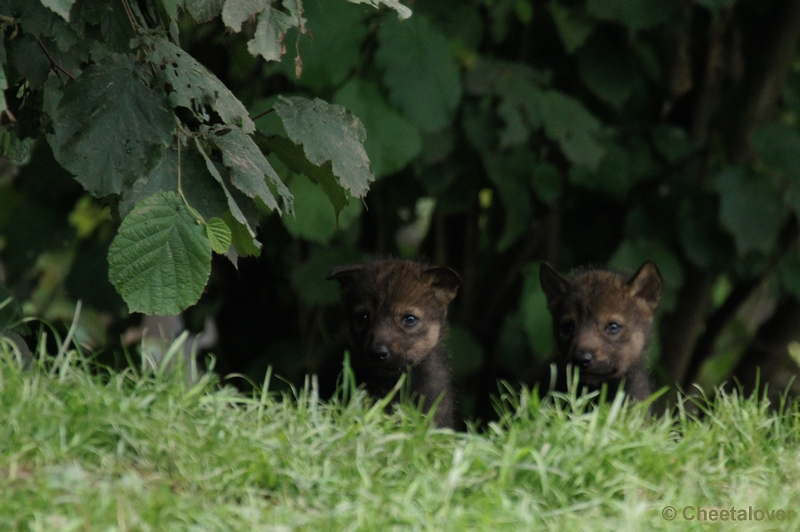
329	133
60	7
270	31
402	11
294	158
110	126
568	122
248	166
219	235
204	10
420	72
235	12
751	208
194	87
392	141
160	259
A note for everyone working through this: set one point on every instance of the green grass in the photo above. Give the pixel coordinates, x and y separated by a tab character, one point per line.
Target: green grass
83	450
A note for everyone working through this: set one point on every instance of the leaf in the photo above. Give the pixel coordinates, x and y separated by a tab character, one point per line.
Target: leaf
191	85
329	133
235	12
243	241
294	158
204	10
60	7
110	126
635	14
199	187
219	235
546	181
314	217
160	260
573	25
402	11
420	72
751	209
705	243
575	129
248	166
392	141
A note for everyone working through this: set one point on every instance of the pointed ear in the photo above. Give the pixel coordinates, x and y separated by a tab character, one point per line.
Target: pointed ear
445	281
647	284
344	274
553	284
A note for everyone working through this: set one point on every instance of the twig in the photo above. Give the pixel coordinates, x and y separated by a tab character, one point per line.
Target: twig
53	61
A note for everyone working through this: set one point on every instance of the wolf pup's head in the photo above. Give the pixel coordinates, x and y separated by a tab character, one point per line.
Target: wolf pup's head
601	319
396	311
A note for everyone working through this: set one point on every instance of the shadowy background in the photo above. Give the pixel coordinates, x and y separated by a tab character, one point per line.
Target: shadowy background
502	133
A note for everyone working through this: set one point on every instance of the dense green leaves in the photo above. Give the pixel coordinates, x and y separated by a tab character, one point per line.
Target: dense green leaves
161	258
109	125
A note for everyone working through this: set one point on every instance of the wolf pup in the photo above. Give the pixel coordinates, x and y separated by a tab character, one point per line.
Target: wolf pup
396	314
602	322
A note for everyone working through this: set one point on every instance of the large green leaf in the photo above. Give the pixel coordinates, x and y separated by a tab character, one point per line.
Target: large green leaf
573	24
110	126
248	166
420	71
751	209
161	259
193	86
392	141
606	69
575	129
511	174
329	133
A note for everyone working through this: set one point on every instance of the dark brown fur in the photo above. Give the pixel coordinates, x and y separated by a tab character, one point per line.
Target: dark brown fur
397	317
602	323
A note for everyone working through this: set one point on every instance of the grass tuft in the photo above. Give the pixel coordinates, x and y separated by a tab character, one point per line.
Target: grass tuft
84	448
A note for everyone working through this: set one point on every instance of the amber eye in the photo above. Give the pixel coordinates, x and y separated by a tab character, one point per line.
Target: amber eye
613	328
567	327
410	320
361	320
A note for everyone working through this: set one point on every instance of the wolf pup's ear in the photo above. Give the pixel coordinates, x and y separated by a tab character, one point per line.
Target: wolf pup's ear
647	284
344	274
553	284
445	281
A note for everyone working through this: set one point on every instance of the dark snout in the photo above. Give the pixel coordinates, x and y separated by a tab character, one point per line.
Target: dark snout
582	358
379	353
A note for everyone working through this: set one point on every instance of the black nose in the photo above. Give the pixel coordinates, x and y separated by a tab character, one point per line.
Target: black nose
379	352
582	358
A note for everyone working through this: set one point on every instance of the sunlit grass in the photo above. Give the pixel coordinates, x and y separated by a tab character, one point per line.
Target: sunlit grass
86	449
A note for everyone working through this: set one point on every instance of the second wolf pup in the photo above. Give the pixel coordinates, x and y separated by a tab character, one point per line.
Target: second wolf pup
602	323
396	313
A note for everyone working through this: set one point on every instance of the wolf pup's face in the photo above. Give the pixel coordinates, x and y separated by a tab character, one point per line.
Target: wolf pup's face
396	311
602	320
